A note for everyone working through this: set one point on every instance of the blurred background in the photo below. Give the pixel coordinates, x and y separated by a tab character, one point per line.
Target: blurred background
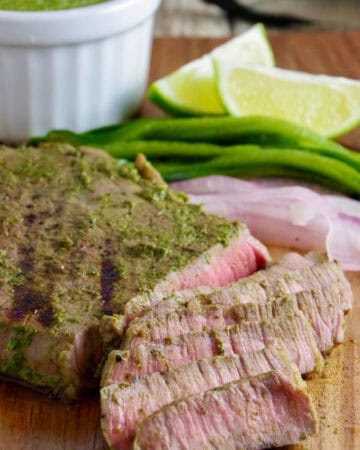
225	17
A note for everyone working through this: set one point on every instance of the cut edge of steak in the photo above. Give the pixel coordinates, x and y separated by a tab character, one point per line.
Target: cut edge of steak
262	286
124	406
248	287
293	332
217	267
62	365
321	307
254	413
324	311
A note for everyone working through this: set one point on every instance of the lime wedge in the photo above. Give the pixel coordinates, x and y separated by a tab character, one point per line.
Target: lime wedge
191	90
327	105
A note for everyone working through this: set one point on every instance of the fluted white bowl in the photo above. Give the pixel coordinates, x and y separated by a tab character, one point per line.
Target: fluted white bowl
74	69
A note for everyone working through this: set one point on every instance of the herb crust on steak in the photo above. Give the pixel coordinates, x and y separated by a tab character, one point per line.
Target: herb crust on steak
80	235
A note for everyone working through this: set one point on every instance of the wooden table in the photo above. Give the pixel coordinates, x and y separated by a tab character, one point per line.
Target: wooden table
200	18
30	421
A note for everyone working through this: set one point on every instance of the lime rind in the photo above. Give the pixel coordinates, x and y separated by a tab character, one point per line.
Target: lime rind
266	42
262	54
167	104
342	89
345	128
191	90
197	87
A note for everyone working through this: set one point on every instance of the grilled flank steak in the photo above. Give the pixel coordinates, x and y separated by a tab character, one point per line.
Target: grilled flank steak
253	414
276	281
292	331
79	237
179	380
126	405
322	308
160	375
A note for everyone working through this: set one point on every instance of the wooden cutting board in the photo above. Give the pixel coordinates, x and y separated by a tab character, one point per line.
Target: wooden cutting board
30	421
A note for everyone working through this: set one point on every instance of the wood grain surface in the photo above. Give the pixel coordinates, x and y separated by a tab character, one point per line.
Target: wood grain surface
200	18
30	421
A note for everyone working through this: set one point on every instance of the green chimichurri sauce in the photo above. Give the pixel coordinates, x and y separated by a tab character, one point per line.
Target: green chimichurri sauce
45	5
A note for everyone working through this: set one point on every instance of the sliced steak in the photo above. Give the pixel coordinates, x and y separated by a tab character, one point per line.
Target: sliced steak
295	261
248	291
262	286
79	237
321	307
254	413
217	267
293	332
123	406
316	276
324	311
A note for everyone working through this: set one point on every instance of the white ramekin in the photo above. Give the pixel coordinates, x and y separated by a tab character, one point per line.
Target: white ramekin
73	69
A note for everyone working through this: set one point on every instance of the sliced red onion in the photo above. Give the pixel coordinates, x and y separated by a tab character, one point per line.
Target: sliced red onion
346	207
288	215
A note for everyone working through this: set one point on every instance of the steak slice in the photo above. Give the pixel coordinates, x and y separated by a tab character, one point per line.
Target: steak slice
124	406
293	332
254	413
220	266
321	307
324	311
288	262
274	282
80	236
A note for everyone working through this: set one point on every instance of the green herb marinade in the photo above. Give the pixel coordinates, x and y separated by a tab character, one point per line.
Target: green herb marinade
45	5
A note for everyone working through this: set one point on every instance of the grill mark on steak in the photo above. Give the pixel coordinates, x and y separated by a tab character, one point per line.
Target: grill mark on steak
46	316
29	300
26	265
39	217
27	262
109	276
30	219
